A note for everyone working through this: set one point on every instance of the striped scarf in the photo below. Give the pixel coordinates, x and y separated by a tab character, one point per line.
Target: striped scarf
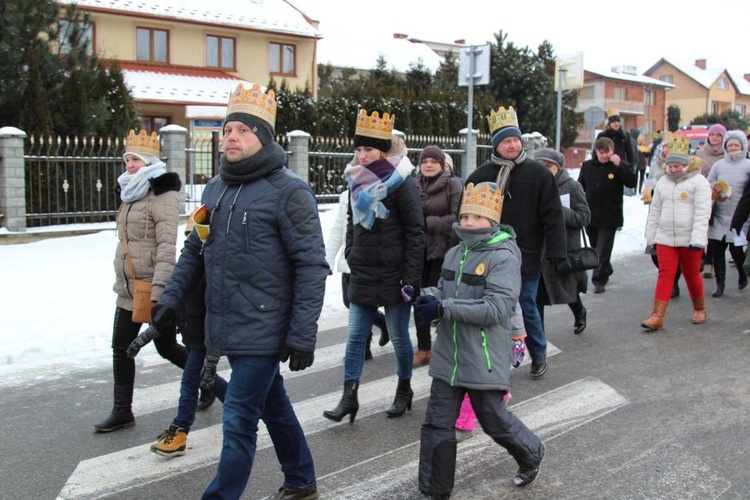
369	185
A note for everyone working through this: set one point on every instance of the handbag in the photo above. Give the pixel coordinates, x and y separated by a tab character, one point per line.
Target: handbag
141	290
580	259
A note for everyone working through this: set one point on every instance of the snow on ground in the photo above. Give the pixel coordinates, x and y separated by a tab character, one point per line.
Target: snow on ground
58	304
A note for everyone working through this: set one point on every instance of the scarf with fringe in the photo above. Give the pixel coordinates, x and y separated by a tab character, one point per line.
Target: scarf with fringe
370	184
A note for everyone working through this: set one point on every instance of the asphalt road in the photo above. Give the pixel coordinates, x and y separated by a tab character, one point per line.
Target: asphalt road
625	415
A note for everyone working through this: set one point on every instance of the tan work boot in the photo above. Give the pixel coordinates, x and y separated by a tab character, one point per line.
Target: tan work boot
656	320
171	443
699	311
422	358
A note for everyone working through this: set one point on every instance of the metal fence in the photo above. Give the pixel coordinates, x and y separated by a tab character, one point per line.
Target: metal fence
71	180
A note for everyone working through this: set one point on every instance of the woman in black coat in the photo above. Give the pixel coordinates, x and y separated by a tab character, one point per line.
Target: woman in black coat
384	250
555	287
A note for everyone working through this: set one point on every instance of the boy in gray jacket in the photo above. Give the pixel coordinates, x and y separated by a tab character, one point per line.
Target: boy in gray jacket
473	306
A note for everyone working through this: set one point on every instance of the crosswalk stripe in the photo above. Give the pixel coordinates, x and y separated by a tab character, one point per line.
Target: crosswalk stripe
136	466
550	415
165	396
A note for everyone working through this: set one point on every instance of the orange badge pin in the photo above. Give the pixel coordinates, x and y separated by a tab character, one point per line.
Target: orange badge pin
684	196
611	176
481	268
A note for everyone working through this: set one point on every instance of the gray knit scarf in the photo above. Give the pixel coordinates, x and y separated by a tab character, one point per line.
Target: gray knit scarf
262	163
506	166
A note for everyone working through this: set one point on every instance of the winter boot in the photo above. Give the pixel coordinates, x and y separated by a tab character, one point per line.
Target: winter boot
348	404
122	414
720	271
171	443
699	311
402	401
422	358
286	493
528	474
379	321
206	399
742	283
656	320
580	321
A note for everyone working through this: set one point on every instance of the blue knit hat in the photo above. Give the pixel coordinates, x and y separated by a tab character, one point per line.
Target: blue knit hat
503	123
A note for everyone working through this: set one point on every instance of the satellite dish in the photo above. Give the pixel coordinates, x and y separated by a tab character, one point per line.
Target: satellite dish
594	117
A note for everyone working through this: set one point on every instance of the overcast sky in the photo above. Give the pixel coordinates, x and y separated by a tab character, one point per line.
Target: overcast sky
635	32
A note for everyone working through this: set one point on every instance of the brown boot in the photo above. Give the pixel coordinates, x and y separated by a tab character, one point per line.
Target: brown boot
656	320
699	311
422	358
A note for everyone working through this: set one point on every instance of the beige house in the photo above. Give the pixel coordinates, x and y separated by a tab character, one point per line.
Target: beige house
181	58
699	90
639	100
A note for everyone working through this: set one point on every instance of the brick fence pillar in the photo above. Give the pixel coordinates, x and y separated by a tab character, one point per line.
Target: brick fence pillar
174	143
299	161
12	179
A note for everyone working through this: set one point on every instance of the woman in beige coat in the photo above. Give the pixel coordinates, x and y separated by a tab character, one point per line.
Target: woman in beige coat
149	217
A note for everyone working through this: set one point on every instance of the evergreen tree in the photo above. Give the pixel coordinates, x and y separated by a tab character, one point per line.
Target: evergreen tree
673	118
72	107
120	115
35	117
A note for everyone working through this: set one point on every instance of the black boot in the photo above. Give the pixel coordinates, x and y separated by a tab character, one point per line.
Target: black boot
402	401
720	271
348	404
368	352
580	323
742	284
206	399
122	414
380	323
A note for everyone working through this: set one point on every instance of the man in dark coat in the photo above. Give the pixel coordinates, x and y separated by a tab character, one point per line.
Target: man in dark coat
265	271
531	206
603	179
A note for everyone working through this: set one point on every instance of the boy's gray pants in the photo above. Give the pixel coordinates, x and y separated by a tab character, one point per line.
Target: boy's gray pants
437	455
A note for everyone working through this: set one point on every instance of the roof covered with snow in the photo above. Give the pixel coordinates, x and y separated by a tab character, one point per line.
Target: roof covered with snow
627	77
180	86
268	15
363	53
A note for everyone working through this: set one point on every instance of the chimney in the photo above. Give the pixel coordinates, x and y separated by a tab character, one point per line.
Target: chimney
747	76
400	36
461	41
701	63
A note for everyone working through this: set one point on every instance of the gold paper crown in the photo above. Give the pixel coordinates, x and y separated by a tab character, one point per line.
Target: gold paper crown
612	112
484	199
374	126
502	118
253	102
142	144
678	145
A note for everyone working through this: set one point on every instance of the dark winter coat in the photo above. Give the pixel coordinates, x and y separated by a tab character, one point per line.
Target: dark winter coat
151	226
390	254
603	184
564	288
440	197
532	208
192	318
623	146
264	263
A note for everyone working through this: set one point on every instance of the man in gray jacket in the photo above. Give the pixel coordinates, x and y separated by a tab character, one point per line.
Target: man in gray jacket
265	270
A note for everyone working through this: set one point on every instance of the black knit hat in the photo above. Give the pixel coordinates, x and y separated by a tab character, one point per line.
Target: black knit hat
435	153
260	127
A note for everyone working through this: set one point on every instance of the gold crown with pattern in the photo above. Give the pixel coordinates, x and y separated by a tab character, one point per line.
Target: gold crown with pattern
484	199
142	143
502	118
254	102
612	112
374	126
679	145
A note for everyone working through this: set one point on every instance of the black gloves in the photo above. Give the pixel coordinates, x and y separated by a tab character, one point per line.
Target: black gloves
141	340
298	360
426	310
697	248
208	372
163	318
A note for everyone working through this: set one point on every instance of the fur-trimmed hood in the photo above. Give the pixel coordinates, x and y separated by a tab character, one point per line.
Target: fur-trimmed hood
167	182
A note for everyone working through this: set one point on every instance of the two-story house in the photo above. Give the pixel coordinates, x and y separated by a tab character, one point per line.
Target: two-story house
699	90
639	99
182	58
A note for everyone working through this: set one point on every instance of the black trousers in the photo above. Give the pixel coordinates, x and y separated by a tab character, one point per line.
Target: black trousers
430	277
718	255
603	239
437	454
124	332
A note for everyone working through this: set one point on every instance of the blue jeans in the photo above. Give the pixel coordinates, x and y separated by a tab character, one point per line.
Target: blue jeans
189	386
256	390
536	342
360	325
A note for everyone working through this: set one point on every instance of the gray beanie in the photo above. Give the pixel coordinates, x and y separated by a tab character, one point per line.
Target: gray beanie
552	156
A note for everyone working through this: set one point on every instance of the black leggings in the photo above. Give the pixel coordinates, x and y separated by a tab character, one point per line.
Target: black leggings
125	331
718	252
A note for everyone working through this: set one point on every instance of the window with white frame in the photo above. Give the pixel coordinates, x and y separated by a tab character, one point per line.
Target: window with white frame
667	78
722	84
621	94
